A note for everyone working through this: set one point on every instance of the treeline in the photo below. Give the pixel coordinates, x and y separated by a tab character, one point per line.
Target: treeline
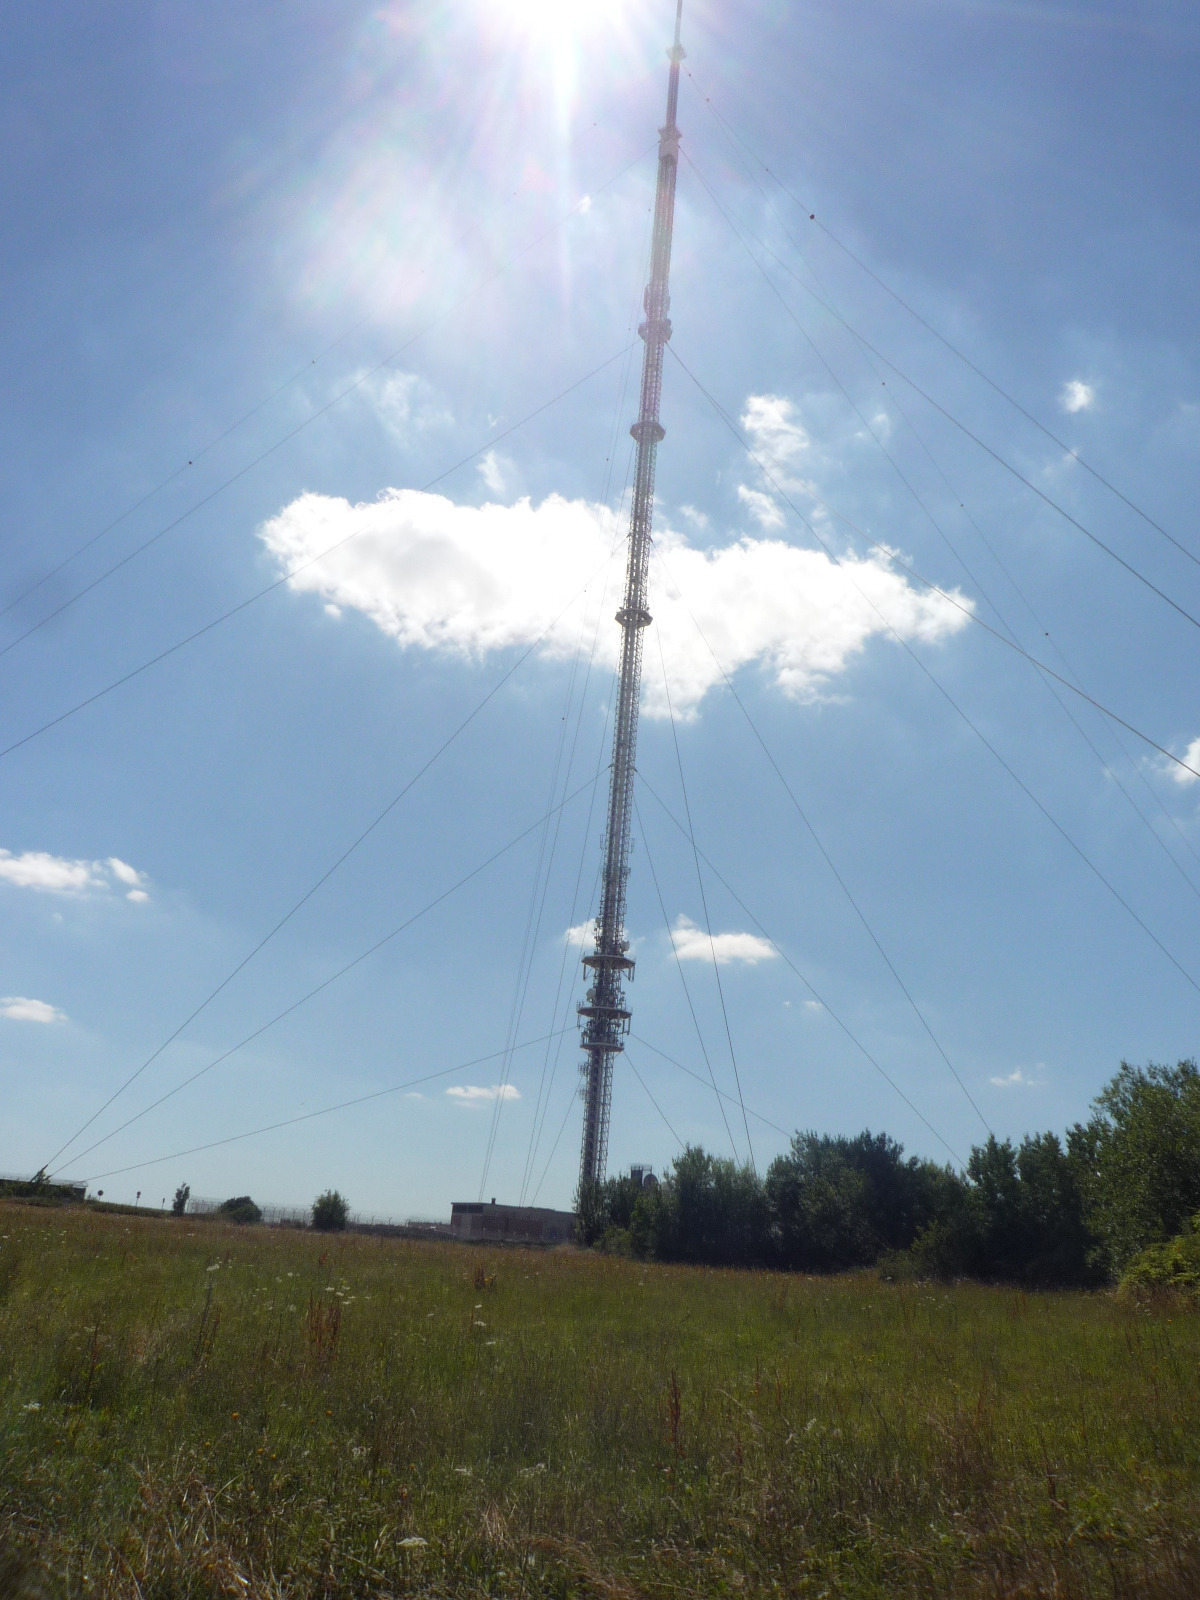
1049	1211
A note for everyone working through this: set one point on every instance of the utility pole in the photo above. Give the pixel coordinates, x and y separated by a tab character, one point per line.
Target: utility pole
604	1014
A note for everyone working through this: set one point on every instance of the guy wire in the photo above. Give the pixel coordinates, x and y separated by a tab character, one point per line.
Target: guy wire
325	983
712	1077
687	811
733	136
788	962
949	698
928	398
287	576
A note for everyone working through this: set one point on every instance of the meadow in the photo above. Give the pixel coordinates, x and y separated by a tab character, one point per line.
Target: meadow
195	1409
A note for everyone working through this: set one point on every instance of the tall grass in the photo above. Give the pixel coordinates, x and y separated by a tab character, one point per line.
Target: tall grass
193	1410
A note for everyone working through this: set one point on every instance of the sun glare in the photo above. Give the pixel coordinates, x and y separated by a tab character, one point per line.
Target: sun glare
555	17
554	38
560	23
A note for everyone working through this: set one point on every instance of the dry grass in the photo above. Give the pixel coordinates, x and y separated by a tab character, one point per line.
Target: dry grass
194	1410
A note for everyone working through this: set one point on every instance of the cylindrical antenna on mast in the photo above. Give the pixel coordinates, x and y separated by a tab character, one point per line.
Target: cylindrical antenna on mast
604	1014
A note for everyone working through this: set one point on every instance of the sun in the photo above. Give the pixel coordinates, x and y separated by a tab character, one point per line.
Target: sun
552	16
553	39
544	47
559	20
544	15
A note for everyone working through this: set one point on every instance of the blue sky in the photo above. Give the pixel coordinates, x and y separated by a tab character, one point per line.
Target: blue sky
288	274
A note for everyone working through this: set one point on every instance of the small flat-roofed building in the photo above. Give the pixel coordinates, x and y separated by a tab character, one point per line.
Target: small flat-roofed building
473	1219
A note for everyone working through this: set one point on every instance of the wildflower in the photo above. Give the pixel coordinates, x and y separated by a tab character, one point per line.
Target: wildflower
34	1405
413	1542
235	1415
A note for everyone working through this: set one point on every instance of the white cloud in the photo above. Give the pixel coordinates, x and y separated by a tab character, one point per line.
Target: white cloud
38	870
489	470
391	394
762	507
129	876
777	434
51	874
471	579
812	1005
1017	1079
1077	396
581	935
474	1094
124	872
401	402
1192	756
20	1008
693	944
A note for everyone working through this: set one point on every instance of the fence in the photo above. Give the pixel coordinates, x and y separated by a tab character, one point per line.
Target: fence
275	1216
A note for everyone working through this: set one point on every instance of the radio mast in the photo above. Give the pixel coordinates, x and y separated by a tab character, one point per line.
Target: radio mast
604	1014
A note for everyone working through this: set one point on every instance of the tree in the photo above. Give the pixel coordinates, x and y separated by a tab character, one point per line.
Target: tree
838	1202
240	1209
708	1209
329	1212
1061	1247
1017	1218
604	1209
1139	1158
818	1211
182	1195
1023	1220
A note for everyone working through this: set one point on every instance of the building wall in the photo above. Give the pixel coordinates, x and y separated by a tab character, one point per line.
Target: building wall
524	1224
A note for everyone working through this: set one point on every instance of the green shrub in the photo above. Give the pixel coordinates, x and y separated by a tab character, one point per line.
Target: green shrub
240	1209
936	1255
329	1212
1174	1265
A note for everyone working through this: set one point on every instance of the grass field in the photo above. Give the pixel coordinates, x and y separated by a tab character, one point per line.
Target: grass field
191	1409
